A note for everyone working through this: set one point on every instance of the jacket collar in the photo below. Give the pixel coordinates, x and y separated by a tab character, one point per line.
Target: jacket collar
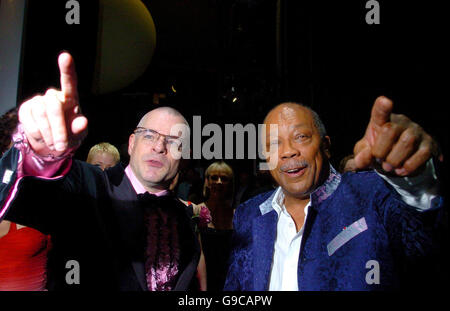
327	188
318	196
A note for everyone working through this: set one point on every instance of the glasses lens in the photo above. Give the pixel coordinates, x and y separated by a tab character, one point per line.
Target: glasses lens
174	142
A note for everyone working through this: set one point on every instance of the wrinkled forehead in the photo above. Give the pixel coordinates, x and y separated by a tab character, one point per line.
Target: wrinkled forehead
164	123
288	117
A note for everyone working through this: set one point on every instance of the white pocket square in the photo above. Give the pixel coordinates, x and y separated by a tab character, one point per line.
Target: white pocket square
346	235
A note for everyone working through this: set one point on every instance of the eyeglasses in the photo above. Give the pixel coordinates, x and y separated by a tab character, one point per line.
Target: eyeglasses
224	179
151	136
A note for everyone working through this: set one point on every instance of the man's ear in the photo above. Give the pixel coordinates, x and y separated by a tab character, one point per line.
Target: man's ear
131	143
326	146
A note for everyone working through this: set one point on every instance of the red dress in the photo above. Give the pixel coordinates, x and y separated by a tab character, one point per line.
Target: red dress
23	259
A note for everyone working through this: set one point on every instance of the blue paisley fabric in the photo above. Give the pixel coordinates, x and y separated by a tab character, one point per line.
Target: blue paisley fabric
397	239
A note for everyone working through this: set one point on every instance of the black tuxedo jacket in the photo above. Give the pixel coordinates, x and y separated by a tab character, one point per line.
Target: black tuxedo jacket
94	218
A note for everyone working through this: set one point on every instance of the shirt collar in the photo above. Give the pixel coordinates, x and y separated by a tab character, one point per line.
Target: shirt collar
278	201
138	187
275	201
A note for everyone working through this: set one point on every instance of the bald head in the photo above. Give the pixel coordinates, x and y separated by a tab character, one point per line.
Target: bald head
161	111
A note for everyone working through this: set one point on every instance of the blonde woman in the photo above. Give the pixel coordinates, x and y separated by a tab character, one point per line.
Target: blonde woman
215	234
218	191
103	155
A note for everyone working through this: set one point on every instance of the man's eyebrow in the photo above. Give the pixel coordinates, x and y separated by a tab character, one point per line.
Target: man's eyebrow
295	126
155	131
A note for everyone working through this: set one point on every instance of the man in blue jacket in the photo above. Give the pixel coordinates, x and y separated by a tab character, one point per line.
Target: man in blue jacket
320	230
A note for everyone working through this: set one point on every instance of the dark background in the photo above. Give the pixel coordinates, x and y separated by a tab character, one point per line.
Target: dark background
321	53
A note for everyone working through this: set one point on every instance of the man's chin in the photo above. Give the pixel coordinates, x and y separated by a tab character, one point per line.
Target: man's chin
153	179
298	192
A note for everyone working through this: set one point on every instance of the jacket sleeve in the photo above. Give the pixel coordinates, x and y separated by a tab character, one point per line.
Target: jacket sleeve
20	162
415	237
411	228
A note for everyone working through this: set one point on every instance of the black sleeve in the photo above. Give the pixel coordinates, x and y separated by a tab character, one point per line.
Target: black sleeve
46	205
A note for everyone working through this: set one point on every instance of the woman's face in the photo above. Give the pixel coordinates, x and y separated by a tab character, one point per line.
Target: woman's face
219	183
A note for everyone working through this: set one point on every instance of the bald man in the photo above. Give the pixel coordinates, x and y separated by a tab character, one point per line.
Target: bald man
119	229
320	230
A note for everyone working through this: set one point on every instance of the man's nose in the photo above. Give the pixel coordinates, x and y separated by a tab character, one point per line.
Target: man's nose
289	151
160	145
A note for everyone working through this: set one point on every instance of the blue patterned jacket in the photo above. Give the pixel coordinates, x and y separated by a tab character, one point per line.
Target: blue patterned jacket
383	235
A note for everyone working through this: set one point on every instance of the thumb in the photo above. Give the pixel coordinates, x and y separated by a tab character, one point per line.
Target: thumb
363	154
79	125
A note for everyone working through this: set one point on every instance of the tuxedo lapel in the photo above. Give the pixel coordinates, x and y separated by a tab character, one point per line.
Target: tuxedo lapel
139	269
130	221
264	234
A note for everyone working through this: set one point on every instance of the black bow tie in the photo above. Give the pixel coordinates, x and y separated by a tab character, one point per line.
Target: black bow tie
148	200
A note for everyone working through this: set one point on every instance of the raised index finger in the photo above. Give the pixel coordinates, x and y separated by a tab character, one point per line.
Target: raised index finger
381	111
68	78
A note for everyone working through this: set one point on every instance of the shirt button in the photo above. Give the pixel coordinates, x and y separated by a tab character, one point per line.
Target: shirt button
291	225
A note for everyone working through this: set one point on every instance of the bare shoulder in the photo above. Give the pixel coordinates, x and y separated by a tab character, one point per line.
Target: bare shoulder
4	228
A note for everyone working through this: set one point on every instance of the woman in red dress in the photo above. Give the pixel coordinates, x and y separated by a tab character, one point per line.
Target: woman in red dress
23	258
23	250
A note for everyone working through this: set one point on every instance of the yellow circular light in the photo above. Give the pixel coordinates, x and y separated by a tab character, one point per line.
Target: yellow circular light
126	43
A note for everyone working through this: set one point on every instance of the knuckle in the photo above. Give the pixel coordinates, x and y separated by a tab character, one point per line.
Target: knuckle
377	154
54	108
387	127
403	119
390	130
394	160
39	113
401	116
24	111
51	92
408	137
425	151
